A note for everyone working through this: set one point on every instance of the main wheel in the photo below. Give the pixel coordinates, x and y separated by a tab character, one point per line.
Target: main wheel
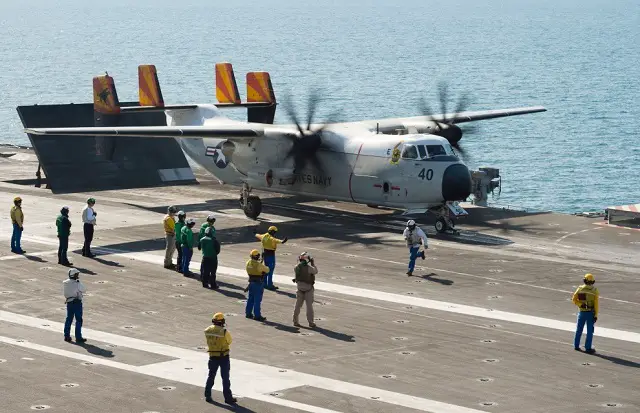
254	207
441	225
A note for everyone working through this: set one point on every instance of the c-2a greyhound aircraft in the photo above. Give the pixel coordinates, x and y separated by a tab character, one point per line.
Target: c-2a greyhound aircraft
404	163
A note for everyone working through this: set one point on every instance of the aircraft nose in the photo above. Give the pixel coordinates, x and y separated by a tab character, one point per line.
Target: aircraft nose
456	183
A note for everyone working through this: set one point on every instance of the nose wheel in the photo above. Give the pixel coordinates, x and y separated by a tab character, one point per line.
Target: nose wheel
251	205
444	222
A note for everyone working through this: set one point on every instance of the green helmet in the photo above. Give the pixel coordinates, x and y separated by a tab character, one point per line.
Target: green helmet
91	201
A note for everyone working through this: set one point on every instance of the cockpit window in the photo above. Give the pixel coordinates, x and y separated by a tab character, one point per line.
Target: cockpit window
409	152
435	150
423	152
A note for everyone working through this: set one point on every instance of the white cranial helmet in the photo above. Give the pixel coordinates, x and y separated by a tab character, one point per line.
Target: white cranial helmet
411	223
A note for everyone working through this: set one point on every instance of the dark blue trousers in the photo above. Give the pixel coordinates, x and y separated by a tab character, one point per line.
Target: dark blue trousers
16	237
187	253
74	310
225	366
269	261
584	317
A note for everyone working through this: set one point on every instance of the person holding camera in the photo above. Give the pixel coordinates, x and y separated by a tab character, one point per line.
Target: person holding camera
305	271
73	290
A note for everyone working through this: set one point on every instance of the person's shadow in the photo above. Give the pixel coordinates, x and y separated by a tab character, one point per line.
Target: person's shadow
96	350
280	326
617	360
333	334
430	277
232	408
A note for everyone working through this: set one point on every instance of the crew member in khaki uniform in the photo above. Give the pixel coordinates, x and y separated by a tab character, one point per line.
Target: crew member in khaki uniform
586	298
219	343
305	279
169	223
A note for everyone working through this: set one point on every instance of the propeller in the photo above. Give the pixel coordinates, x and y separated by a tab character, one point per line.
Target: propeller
445	126
306	144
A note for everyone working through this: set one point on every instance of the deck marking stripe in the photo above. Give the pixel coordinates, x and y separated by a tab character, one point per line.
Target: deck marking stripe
249	379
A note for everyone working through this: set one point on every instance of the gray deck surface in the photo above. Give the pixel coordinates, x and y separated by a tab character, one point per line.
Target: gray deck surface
486	318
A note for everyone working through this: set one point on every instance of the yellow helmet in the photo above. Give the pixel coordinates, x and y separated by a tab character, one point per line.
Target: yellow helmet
254	253
218	316
589	278
272	229
17	199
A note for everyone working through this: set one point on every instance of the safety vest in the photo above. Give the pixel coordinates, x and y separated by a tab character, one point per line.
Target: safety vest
218	340
413	238
269	242
303	274
585	297
256	268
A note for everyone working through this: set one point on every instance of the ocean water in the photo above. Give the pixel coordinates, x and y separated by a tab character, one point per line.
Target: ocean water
374	59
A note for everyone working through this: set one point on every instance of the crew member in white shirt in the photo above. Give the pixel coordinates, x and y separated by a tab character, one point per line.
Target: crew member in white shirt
73	290
413	235
89	220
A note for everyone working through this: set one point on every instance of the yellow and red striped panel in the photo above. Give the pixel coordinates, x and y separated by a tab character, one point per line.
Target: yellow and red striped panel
259	88
226	87
105	98
149	86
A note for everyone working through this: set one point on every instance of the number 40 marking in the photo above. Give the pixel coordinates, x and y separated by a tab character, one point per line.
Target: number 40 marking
428	174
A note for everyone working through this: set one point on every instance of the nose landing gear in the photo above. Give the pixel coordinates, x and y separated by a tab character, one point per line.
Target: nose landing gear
446	214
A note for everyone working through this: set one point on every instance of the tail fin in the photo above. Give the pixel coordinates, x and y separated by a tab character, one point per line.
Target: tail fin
149	86
105	97
260	90
226	87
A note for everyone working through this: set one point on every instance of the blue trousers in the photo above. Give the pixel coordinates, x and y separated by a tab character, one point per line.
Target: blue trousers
16	236
225	366
269	261
187	253
584	317
256	289
74	310
413	254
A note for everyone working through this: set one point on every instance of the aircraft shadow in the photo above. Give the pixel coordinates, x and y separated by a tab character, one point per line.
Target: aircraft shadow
342	226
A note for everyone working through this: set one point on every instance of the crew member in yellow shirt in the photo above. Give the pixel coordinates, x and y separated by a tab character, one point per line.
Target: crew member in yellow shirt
256	271
17	219
269	245
586	298
219	343
169	223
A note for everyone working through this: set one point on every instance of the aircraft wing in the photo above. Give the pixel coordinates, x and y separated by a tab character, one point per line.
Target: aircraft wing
417	121
231	132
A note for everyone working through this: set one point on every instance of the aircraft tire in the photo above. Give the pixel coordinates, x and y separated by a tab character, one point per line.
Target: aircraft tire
254	207
441	225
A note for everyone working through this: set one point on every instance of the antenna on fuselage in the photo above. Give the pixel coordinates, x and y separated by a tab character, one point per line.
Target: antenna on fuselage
377	128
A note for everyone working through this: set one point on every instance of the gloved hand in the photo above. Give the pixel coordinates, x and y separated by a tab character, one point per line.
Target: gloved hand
199	247
284	241
293	279
595	319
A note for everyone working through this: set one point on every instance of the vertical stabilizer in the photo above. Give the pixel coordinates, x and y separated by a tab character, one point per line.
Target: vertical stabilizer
149	86
226	87
260	90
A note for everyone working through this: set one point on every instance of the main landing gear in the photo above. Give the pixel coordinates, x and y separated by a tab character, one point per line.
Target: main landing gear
250	204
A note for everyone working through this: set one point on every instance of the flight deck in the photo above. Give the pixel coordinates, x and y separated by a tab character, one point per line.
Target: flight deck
485	324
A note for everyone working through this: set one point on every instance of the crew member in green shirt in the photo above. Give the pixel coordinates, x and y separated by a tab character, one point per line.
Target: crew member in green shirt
187	245
210	250
64	230
178	228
